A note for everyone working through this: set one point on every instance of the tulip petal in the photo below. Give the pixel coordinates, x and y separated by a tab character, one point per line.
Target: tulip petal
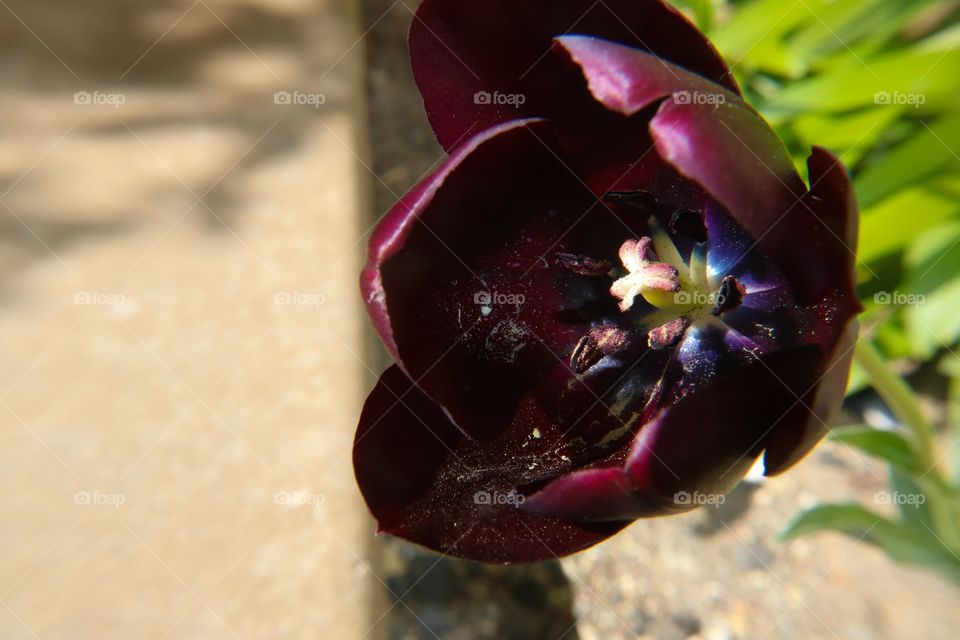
599	494
627	80
730	151
832	203
794	439
832	196
710	439
427	484
618	155
463	282
391	233
701	446
461	48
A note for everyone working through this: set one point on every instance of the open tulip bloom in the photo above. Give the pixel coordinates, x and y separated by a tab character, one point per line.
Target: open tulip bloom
610	300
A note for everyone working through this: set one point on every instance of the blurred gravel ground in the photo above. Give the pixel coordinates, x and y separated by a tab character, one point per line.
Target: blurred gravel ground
720	573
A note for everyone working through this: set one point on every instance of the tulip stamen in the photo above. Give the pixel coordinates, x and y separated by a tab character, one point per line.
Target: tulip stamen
593	347
582	265
667	334
638	200
728	297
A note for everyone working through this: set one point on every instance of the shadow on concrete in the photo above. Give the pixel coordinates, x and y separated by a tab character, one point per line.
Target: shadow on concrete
165	55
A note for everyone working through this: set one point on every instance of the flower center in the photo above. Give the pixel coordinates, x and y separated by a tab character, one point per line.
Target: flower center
681	290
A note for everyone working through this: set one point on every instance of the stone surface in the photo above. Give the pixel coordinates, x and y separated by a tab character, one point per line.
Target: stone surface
183	341
720	572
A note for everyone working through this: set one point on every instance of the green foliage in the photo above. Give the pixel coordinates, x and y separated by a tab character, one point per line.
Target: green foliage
888	445
903	541
878	83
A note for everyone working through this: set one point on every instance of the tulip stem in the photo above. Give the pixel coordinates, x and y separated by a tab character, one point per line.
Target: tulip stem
901	399
903	402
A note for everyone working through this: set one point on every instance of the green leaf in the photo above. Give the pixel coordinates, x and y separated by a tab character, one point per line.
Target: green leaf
856	27
861	83
851	519
702	12
946	40
951	365
885	228
902	542
849	135
912	502
759	24
892	337
933	258
927	150
934	323
836	26
933	278
887	445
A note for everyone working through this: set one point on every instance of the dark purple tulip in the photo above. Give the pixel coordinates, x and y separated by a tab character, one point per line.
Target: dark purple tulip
613	296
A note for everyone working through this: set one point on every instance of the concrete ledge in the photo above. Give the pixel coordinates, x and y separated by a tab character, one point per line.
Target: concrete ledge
183	341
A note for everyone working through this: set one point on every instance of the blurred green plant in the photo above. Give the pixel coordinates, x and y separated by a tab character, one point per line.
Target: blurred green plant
878	83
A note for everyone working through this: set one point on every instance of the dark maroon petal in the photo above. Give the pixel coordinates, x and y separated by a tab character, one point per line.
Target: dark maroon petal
463	282
425	483
600	494
620	156
740	161
627	80
832	204
598	410
617	153
461	48
402	441
701	446
832	196
710	439
391	233
795	438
